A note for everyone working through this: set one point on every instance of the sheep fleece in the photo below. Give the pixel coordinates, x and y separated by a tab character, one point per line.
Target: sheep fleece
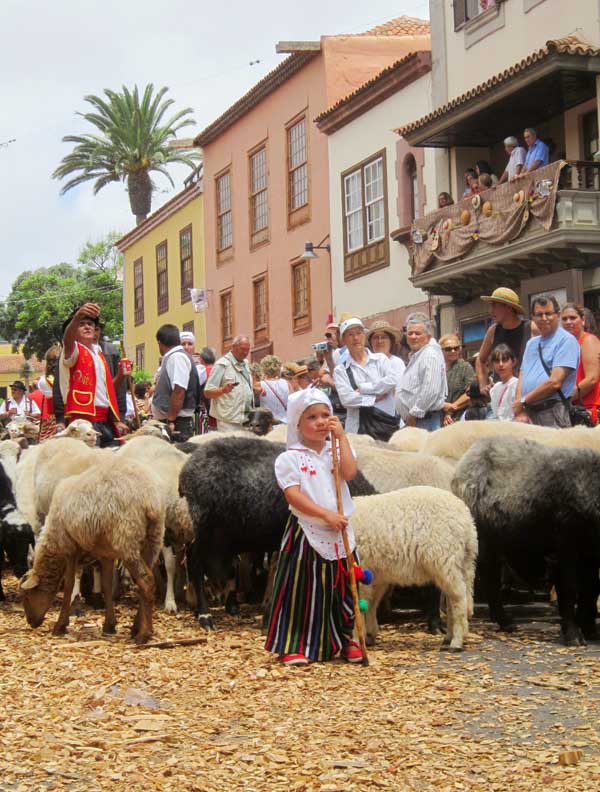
117	512
415	536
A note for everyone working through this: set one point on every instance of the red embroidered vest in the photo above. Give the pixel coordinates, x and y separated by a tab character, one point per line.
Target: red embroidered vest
82	386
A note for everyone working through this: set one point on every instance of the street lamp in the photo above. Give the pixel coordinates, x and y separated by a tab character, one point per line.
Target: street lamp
309	250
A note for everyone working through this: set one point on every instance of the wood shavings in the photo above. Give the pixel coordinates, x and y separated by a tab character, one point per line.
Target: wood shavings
81	713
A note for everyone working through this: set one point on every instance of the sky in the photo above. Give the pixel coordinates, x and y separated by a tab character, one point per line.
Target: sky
54	54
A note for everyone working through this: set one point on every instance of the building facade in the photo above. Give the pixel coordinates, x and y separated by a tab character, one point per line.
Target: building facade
163	259
266	183
377	185
499	67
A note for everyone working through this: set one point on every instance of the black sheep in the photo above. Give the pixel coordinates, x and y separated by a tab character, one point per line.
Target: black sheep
16	535
531	501
236	507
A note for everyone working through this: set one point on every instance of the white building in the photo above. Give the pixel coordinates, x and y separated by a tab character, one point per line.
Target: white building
377	185
497	68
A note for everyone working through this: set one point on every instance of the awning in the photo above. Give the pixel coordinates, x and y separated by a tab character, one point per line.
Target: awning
545	84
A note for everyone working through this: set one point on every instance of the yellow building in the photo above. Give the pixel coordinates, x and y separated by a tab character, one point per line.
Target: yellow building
164	258
11	368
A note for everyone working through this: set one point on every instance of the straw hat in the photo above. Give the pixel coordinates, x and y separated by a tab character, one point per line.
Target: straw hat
381	326
506	297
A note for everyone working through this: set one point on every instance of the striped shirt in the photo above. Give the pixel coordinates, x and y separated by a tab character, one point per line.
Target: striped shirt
424	388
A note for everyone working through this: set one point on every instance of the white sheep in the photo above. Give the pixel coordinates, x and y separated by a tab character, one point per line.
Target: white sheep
409	438
393	470
118	513
151	428
453	441
418	536
166	462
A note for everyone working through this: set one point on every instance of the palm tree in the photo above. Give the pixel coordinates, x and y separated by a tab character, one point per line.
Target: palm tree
133	140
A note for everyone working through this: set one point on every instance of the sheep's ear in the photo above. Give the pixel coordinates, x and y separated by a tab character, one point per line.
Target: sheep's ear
29	580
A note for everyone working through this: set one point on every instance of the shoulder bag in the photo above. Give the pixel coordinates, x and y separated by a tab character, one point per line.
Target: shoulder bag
372	421
578	415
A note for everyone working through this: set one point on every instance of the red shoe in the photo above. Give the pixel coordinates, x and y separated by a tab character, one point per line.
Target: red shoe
352	652
295	660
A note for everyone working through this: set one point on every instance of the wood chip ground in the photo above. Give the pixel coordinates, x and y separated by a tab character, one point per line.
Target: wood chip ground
90	713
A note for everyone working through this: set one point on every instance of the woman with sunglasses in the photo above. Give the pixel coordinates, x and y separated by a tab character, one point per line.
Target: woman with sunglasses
459	375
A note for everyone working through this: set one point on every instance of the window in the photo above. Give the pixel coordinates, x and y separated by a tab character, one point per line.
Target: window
301	297
297	166
140	356
162	278
186	263
364	194
188	327
589	123
259	212
138	291
224	227
261	309
469	9
226	316
413	183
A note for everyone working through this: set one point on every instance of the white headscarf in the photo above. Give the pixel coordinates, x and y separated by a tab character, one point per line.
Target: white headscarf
187	336
297	403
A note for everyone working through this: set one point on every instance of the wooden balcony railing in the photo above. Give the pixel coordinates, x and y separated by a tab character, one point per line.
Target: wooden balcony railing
580	175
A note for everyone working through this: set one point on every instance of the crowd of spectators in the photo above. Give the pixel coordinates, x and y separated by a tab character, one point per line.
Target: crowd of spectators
543	369
521	160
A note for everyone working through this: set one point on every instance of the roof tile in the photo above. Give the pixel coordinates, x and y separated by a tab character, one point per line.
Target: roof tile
400	26
569	45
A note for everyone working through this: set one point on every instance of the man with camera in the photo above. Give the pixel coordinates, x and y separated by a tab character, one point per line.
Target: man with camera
229	387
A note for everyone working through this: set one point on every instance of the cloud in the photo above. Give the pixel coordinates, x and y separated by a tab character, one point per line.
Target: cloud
53	54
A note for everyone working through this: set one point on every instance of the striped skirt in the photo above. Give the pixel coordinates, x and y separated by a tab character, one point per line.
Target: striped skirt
312	611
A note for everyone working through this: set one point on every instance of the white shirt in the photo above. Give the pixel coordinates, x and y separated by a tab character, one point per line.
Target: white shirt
45	387
25	404
375	378
313	473
101	395
398	369
129	408
424	387
178	369
517	157
275	397
502	397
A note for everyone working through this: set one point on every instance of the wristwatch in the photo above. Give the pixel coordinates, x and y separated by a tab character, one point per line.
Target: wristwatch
523	402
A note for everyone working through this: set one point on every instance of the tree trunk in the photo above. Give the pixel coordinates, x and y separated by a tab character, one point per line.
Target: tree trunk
139	187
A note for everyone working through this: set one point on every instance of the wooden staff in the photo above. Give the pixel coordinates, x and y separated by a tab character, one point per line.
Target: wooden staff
138	420
349	557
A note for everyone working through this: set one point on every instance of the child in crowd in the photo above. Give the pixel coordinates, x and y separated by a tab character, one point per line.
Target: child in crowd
312	615
503	393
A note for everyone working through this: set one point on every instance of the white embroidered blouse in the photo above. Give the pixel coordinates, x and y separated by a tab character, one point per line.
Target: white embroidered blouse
313	473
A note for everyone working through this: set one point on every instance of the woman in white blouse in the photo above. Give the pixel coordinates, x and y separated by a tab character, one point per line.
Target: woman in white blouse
374	381
382	338
274	390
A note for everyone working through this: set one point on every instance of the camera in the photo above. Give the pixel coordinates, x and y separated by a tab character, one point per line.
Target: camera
321	346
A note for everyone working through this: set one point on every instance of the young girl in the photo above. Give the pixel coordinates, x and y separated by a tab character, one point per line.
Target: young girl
502	395
312	614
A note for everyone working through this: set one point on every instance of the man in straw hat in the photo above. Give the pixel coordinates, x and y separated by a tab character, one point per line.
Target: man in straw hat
509	328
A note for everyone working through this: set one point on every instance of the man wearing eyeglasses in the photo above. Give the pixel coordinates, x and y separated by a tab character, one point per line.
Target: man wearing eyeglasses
549	369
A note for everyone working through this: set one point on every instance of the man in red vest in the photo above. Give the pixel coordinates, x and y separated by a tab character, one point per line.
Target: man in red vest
86	383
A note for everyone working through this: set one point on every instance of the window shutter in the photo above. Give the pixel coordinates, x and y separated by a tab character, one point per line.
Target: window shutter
460	13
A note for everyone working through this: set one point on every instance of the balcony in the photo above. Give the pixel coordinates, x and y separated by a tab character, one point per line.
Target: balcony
544	222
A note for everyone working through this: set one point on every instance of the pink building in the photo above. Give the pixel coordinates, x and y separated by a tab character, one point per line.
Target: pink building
266	185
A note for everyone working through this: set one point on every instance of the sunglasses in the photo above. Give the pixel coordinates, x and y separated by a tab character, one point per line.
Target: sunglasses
450	349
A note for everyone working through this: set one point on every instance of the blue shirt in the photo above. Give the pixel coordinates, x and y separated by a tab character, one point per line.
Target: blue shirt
561	349
539	151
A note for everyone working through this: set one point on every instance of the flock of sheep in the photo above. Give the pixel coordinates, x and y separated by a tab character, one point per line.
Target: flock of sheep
430	508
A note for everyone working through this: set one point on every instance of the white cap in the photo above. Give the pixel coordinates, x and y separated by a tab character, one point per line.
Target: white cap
187	336
298	402
353	322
